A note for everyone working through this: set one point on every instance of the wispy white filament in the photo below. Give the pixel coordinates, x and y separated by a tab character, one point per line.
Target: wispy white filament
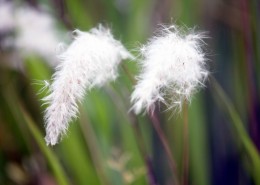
91	60
173	67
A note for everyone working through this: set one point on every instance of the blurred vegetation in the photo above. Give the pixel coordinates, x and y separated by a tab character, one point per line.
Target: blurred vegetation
109	145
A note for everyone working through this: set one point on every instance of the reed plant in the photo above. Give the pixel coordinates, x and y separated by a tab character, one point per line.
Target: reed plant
139	92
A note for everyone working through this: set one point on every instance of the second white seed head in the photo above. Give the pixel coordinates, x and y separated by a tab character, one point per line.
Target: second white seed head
172	69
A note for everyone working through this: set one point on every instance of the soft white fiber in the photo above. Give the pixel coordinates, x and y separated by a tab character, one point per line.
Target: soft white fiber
91	60
172	69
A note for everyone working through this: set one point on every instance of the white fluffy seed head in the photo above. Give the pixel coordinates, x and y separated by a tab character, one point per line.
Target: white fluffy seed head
91	60
7	24
36	34
6	14
173	67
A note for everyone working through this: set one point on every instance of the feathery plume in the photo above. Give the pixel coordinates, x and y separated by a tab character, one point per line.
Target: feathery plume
91	60
173	67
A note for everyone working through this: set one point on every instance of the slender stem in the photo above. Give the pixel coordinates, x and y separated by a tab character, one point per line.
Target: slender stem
245	19
158	129
91	141
143	150
156	125
139	139
185	173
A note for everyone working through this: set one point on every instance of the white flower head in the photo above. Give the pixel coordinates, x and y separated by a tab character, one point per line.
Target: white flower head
36	33
7	16
7	24
91	60
173	67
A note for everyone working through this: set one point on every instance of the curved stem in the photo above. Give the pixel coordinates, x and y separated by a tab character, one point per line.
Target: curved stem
91	141
185	172
143	150
156	125
158	129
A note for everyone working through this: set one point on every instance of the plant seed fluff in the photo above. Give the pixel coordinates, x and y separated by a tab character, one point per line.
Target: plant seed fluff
173	67
91	60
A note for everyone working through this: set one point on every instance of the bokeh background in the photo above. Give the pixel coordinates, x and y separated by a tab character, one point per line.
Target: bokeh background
103	145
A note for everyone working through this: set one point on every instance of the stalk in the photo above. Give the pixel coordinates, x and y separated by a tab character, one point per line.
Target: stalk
165	144
91	141
185	173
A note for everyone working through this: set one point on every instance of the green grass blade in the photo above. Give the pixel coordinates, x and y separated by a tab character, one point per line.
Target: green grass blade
20	113
77	158
53	161
251	151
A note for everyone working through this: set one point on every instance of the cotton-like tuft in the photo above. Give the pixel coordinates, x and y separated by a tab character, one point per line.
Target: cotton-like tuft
173	68
91	60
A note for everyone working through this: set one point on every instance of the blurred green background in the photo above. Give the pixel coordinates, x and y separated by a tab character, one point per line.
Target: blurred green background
107	144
